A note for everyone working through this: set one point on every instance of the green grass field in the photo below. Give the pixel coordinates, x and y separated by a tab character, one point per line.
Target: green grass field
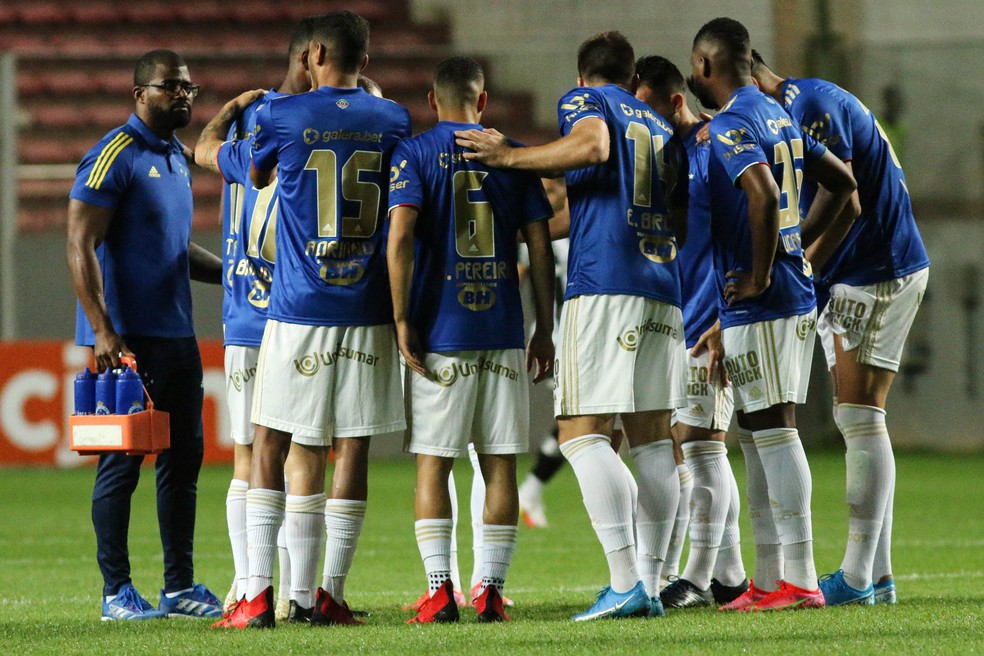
49	583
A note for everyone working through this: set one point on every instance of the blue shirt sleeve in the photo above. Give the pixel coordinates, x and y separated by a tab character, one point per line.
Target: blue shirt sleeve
536	206
104	173
265	145
734	144
813	149
406	184
234	159
577	104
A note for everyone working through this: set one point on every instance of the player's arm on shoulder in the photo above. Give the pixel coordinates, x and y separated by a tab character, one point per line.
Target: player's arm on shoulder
540	350
204	265
87	228
836	197
400	260
587	143
214	133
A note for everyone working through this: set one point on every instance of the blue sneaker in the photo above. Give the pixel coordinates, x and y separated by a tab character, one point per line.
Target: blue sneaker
197	602
129	605
836	591
885	591
656	607
634	603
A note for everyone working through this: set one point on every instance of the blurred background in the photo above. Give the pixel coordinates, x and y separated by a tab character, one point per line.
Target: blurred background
66	76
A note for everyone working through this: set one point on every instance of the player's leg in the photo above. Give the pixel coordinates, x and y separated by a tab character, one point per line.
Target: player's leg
671	568
499	530
477	510
433	528
459	595
549	461
730	580
304	524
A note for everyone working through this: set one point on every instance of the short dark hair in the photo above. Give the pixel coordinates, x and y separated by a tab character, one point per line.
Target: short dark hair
757	60
301	36
661	75
345	35
146	67
459	80
608	56
369	85
728	33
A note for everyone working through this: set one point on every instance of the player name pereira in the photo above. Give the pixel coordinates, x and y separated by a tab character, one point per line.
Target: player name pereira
483	271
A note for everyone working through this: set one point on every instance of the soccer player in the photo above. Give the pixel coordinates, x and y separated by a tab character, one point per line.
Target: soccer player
328	345
249	223
874	272
767	309
130	258
622	324
459	324
714	570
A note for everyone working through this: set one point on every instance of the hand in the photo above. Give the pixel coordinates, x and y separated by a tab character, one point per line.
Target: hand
489	146
704	133
711	341
540	351
409	343
108	349
245	99
741	285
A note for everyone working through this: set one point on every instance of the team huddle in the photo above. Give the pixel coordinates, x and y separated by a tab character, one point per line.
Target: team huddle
372	286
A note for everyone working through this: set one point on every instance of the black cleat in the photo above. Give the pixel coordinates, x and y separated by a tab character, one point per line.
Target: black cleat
725	594
681	593
298	614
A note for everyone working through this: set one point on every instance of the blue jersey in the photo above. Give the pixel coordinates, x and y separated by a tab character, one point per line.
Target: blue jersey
332	149
751	130
700	292
249	223
884	242
144	257
621	238
465	291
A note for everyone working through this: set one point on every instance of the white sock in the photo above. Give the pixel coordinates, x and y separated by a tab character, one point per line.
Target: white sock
633	488
673	552
172	595
455	572
343	524
500	545
870	473
434	542
790	490
768	550
608	500
659	496
236	519
304	528
711	499
729	569
264	515
882	567
477	506
531	489
284	555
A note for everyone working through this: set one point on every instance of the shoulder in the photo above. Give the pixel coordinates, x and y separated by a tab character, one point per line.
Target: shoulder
118	147
579	97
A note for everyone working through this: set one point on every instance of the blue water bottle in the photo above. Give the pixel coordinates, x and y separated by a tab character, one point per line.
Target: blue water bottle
129	392
85	393
106	393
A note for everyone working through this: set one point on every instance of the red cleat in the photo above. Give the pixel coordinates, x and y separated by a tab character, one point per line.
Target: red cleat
790	597
254	614
328	612
477	589
459	600
489	606
439	608
746	600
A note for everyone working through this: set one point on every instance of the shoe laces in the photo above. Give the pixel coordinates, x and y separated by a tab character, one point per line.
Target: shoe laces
129	598
837	577
200	593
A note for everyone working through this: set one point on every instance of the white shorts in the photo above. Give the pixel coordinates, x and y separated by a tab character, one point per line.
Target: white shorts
240	371
617	354
874	319
320	382
481	397
709	403
769	362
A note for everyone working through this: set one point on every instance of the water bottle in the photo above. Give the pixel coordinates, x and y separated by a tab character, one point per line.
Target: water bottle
106	393
85	393
129	392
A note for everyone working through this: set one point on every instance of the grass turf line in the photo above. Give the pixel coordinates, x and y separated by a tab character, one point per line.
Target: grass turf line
49	583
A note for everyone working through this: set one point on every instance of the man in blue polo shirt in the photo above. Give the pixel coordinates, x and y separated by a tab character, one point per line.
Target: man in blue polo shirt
130	258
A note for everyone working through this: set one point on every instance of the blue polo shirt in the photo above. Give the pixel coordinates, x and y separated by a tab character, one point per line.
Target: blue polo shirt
144	257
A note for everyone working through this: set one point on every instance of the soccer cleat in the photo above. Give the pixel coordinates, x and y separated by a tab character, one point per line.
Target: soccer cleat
477	589
328	612
746	600
256	613
533	511
129	605
437	608
231	601
725	594
656	607
885	591
614	605
789	597
459	599
489	606
297	614
197	602
681	593
836	591
416	605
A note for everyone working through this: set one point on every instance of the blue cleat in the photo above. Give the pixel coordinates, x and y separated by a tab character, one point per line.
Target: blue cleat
656	607
197	602
129	605
613	605
885	591
837	592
